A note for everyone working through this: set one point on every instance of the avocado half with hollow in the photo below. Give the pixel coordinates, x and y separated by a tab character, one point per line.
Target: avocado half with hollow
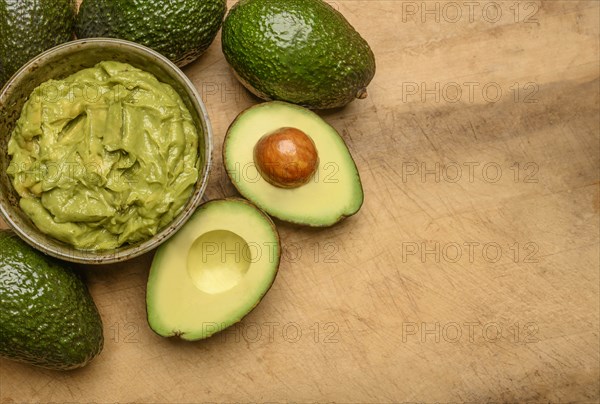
213	272
268	158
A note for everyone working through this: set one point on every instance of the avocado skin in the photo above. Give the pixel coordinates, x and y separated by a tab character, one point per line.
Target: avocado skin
48	317
29	27
179	29
299	51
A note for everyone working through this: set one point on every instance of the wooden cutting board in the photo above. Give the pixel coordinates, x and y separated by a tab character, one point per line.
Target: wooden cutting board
471	272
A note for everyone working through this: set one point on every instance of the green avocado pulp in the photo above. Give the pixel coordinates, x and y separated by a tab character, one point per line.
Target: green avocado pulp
105	157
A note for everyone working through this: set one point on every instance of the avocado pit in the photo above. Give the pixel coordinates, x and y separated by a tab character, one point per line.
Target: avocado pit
286	157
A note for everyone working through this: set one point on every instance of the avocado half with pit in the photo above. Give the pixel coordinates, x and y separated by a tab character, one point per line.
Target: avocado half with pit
213	272
292	164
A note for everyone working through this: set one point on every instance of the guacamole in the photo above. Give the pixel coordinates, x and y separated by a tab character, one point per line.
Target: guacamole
105	157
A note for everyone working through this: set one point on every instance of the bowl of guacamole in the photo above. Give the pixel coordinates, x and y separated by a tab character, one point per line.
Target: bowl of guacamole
105	150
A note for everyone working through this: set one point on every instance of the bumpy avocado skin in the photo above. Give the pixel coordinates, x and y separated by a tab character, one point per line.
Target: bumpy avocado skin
179	29
29	27
300	51
48	317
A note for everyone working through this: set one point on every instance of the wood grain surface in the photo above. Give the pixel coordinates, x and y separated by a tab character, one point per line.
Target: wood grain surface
471	272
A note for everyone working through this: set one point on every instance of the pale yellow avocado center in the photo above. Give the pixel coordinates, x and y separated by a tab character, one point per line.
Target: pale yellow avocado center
218	260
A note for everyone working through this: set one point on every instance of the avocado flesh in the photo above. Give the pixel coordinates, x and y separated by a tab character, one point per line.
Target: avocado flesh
29	27
48	317
180	30
334	192
213	272
300	51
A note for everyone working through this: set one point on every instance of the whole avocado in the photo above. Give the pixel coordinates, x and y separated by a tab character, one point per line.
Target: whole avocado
29	27
48	317
299	51
179	29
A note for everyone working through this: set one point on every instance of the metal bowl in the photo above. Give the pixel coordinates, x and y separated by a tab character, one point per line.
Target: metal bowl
58	63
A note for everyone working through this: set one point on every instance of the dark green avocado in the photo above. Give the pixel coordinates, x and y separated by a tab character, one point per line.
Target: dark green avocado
47	316
179	29
29	27
299	51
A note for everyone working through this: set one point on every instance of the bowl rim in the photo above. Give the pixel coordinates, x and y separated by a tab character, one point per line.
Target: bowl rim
123	253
